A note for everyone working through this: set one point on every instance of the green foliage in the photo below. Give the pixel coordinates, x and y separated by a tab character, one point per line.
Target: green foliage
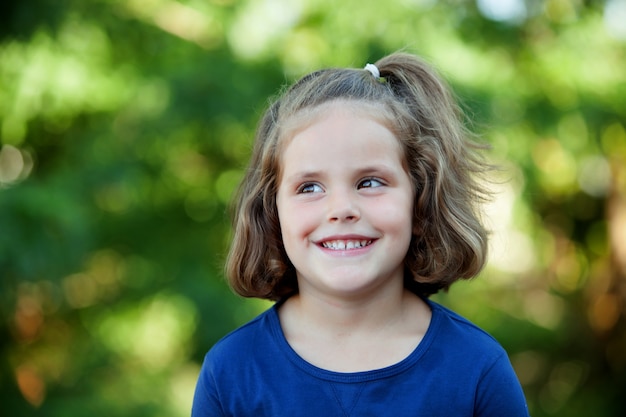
124	128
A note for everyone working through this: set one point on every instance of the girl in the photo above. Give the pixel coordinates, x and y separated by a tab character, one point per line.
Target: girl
358	204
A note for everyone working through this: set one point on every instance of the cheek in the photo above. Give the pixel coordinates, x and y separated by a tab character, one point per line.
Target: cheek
296	221
397	217
395	209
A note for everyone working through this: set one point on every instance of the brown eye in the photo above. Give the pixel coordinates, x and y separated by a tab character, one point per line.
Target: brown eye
309	188
370	183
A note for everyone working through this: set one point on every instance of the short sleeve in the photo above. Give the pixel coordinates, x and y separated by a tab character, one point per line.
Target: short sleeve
205	401
499	392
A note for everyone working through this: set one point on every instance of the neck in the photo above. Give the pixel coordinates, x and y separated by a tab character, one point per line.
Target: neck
343	316
354	335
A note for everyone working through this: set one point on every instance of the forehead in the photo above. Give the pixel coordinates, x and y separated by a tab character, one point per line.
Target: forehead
305	118
341	138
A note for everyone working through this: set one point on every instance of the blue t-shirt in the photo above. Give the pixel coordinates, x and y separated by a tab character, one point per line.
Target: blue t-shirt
457	370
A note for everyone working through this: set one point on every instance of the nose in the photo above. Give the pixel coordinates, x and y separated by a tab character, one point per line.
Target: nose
342	207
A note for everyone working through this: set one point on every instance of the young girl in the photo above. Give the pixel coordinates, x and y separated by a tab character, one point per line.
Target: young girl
358	204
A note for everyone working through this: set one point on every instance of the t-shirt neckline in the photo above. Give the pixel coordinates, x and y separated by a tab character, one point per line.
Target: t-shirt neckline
359	376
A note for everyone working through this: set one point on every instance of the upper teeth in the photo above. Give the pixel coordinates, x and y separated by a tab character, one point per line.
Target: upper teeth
345	244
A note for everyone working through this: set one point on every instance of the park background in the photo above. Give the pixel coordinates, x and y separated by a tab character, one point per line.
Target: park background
125	125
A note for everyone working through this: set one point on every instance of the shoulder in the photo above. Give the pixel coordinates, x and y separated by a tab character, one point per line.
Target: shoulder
245	339
234	364
471	355
457	323
459	336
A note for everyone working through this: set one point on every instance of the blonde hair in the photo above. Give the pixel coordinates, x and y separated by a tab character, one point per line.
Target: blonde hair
443	160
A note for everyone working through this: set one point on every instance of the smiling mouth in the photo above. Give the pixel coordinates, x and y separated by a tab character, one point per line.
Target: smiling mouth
346	244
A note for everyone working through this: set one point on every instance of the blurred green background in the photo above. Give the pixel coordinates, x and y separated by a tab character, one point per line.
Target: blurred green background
125	125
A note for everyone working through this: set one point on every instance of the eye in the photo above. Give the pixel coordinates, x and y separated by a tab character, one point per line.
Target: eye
309	187
370	183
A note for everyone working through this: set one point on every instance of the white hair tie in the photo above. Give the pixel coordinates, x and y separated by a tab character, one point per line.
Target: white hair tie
373	69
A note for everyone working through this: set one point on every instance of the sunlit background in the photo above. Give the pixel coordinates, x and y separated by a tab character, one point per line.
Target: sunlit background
125	125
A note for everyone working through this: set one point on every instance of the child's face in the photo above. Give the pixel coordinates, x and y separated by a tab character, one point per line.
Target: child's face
345	204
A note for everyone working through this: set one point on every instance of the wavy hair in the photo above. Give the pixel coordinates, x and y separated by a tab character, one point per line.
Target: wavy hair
443	158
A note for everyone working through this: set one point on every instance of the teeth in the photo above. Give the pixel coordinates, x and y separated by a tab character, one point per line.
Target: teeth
345	244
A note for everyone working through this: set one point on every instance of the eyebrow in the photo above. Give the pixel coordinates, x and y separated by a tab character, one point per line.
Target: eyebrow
382	169
303	176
